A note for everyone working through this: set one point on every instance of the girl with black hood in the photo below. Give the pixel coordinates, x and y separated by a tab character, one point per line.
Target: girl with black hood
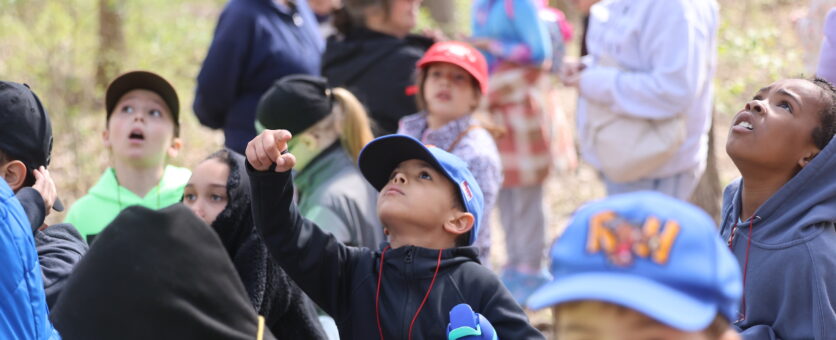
219	193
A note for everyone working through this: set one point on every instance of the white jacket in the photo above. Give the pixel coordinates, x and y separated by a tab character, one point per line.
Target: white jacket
666	52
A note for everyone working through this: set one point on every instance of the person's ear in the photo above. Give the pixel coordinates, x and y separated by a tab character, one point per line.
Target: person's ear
174	148
807	158
14	172
730	334
106	138
459	223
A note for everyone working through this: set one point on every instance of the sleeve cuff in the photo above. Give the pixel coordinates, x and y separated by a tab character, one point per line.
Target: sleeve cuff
597	83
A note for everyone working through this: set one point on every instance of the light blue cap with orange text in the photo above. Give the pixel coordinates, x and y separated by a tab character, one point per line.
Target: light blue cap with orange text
650	253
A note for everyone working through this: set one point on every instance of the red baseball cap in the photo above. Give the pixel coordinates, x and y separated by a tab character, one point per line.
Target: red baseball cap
462	55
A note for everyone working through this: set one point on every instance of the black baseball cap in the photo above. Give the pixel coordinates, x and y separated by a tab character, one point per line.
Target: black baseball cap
294	103
144	80
25	128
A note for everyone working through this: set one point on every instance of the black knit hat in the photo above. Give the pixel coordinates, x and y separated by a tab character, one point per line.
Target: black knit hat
156	275
294	103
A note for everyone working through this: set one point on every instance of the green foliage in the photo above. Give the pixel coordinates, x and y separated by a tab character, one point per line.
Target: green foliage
754	50
53	46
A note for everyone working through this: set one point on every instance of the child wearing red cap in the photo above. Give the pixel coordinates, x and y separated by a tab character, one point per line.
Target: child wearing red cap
452	77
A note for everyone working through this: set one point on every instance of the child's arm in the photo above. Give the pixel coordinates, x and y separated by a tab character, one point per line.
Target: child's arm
218	81
60	247
314	259
33	206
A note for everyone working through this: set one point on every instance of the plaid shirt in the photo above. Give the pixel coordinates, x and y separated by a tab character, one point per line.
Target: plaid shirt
516	103
476	148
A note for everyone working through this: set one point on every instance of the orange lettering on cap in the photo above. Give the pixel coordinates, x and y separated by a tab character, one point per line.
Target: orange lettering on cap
663	252
599	233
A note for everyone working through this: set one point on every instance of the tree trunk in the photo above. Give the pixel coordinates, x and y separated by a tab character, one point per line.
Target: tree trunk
708	193
111	41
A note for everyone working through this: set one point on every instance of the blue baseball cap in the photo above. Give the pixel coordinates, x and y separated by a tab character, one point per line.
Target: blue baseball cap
648	252
382	155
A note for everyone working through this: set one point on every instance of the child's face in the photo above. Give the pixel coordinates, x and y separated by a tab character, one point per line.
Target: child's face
417	194
603	321
449	91
206	192
141	128
773	131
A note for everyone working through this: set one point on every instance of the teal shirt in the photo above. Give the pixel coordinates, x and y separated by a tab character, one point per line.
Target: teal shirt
95	210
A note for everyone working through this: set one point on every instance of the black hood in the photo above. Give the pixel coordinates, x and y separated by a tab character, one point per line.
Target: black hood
234	224
289	313
156	275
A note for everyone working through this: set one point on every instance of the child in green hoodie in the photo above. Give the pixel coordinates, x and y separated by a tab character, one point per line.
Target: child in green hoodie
142	133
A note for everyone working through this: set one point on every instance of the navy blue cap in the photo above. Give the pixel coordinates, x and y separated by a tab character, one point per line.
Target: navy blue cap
648	252
382	155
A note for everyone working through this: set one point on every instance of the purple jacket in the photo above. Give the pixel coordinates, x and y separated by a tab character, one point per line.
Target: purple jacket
827	58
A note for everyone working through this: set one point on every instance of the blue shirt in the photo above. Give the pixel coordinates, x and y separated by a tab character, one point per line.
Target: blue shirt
516	30
256	43
23	309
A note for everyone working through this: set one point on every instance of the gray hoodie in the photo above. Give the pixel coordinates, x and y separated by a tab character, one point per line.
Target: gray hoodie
788	255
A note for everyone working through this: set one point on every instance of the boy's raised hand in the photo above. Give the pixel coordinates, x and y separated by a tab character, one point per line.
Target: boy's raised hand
270	147
46	187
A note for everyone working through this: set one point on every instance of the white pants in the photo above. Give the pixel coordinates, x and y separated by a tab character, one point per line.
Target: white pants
680	185
523	215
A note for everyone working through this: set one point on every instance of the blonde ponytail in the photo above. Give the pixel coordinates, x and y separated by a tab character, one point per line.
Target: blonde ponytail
355	127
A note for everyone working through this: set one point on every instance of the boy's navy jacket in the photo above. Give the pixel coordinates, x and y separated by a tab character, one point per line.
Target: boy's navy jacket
256	42
379	70
60	246
790	280
343	280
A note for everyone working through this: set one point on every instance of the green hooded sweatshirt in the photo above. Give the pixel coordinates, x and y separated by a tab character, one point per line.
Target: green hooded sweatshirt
95	210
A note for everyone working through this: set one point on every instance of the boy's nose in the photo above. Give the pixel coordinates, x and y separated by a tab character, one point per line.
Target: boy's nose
399	178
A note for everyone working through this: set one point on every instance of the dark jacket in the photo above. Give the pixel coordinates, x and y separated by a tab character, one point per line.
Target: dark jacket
343	280
379	70
256	42
156	274
787	254
60	246
289	312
